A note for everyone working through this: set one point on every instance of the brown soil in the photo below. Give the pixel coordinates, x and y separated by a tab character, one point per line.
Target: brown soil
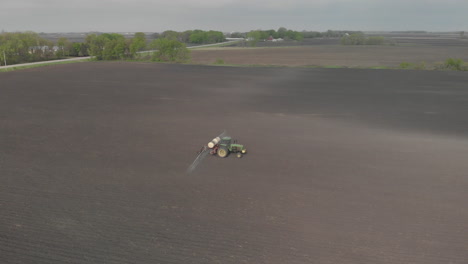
344	165
331	55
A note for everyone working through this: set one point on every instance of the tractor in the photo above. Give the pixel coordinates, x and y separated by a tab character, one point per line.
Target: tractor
225	145
221	145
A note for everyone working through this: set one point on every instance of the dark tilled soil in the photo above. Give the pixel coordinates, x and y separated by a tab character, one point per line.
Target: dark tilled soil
333	55
344	166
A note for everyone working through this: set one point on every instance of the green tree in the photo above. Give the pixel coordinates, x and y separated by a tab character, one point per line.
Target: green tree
155	35
170	34
108	46
198	37
282	32
20	47
169	50
312	34
254	37
95	46
353	39
138	43
375	41
215	36
206	37
3	54
237	35
64	47
84	50
271	33
294	35
75	49
360	39
185	36
114	47
454	64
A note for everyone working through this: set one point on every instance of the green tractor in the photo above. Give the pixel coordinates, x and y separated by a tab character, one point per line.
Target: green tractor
221	145
225	145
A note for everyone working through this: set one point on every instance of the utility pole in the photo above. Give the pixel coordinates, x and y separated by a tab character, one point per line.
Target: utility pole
4	57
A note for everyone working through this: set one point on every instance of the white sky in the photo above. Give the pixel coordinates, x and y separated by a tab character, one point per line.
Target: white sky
231	15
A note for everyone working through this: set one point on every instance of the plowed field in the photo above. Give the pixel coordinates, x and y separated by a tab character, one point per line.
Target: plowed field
344	165
332	55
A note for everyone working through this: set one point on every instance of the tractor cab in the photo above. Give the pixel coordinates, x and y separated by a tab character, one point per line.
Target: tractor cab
226	141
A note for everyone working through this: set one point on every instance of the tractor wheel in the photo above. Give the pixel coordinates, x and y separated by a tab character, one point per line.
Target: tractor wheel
239	155
223	152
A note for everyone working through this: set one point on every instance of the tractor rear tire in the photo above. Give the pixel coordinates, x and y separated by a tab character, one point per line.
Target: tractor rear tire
223	152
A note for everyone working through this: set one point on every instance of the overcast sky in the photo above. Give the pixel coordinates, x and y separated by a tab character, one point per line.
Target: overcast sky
231	15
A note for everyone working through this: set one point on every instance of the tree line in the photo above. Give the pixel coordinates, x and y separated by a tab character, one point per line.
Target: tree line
192	36
294	35
282	33
113	46
23	47
361	39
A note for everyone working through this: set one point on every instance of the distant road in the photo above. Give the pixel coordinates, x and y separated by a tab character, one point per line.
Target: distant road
89	57
43	62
